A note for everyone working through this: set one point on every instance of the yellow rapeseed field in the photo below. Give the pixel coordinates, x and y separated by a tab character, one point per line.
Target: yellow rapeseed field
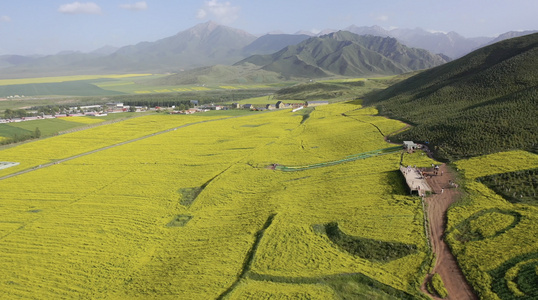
52	149
101	225
84	120
491	237
65	78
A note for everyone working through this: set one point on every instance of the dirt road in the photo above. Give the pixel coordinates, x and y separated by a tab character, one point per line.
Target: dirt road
437	205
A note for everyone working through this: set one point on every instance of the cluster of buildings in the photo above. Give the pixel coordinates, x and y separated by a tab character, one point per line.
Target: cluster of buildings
280	105
79	111
118	107
12	97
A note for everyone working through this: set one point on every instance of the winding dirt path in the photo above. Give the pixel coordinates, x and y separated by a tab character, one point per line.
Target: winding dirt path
446	265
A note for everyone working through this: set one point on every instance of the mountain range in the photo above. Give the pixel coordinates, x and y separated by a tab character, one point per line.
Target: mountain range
209	44
450	44
346	54
484	102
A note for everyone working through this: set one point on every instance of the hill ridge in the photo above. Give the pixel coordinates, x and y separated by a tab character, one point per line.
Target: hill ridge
484	102
345	53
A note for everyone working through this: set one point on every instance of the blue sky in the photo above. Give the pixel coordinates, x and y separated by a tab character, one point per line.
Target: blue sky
50	26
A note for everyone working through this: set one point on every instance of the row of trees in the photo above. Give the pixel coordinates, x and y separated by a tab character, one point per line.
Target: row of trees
15	113
39	110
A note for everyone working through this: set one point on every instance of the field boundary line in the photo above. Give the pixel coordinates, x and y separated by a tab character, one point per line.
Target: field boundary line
250	257
109	147
352	157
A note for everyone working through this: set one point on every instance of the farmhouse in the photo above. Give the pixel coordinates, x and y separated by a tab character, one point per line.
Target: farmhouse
410	145
248	106
88	107
316	103
280	105
270	106
236	105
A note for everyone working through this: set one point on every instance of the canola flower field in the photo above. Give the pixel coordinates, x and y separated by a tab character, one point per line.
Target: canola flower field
495	241
118	223
66	78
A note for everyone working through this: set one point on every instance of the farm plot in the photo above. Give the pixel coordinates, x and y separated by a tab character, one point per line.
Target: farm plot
65	78
98	226
495	241
49	150
68	88
47	126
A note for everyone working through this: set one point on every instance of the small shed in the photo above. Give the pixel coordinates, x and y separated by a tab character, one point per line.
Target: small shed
410	145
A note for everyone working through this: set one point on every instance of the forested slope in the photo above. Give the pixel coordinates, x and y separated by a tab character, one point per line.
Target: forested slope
482	103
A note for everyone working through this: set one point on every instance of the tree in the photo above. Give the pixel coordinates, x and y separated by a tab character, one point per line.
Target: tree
37	133
9	114
21	113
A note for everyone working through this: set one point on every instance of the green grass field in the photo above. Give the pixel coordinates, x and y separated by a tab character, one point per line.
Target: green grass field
80	85
47	127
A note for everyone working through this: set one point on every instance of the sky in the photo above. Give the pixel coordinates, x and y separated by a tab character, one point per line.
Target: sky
49	26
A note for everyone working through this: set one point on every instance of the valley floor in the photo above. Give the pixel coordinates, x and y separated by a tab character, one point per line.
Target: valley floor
177	206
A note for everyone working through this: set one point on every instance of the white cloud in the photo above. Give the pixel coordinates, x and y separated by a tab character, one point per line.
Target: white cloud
223	12
201	13
138	6
436	31
382	18
80	8
5	19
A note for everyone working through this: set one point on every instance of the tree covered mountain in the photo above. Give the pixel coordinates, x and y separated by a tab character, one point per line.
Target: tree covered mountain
484	102
346	54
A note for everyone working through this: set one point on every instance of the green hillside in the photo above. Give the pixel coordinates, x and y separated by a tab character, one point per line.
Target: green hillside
346	54
482	103
333	90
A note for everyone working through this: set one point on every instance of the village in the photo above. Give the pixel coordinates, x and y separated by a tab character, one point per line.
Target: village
119	107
